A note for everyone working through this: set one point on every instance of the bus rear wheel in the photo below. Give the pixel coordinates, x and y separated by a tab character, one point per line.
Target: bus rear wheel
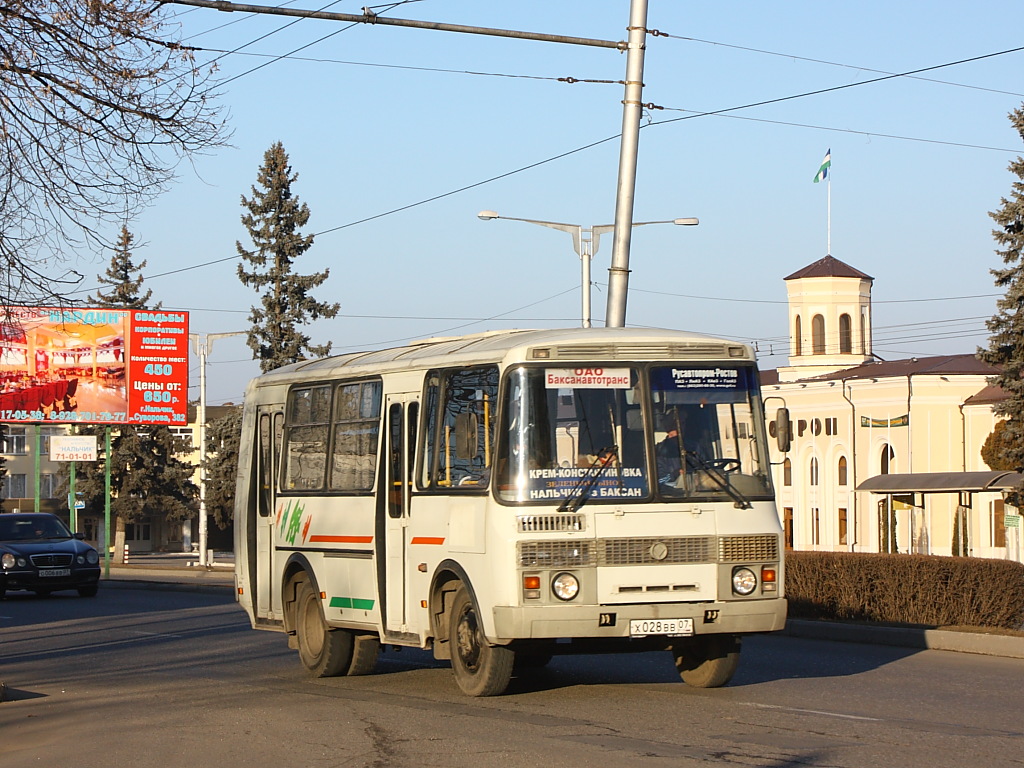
480	669
707	661
322	651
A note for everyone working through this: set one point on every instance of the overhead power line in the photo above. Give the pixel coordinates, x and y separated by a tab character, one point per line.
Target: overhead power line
832	63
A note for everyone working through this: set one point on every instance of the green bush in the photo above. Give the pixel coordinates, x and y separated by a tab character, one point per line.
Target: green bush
906	589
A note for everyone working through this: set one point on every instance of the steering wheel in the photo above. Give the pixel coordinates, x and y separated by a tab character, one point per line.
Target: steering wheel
725	465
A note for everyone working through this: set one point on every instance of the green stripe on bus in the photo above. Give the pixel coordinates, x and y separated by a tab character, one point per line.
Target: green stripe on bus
352	602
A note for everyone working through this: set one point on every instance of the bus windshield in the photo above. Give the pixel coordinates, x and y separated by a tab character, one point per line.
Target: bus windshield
707	441
585	434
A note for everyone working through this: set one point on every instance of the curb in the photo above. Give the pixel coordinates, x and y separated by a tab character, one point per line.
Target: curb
166	586
1007	646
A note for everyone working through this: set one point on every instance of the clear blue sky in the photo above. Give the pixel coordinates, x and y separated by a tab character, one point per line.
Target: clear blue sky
378	118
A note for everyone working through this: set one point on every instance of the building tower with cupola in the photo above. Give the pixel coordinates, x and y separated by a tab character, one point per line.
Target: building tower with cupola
829	319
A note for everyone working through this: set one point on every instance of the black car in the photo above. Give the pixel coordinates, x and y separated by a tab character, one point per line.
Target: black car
39	553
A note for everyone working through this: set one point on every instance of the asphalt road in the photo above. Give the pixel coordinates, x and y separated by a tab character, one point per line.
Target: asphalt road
137	677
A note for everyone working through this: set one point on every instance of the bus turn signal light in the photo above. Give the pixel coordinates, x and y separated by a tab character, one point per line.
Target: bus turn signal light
768	583
531	587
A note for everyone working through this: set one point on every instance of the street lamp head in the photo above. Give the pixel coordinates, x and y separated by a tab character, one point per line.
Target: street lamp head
690	222
488	215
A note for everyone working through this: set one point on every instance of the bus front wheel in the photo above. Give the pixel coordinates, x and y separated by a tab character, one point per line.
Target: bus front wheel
707	661
324	652
480	669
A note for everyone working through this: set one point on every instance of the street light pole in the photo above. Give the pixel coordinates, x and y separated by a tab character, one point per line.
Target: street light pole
201	345
585	241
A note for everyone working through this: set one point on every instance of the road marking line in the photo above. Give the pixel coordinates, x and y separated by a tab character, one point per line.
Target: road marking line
818	712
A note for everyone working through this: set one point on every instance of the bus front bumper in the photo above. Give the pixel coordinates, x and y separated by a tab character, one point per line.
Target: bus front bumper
608	621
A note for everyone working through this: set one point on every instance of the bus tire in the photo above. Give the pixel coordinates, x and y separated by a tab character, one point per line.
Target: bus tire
322	651
364	655
480	669
707	661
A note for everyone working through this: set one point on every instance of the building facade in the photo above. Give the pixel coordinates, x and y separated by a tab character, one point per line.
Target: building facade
854	416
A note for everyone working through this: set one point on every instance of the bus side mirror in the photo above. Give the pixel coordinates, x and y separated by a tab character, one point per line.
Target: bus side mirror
782	435
467	436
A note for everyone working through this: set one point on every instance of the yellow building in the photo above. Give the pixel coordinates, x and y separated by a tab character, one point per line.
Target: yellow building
886	455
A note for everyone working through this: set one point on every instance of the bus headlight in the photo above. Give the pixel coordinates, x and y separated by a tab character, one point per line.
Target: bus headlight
565	586
744	581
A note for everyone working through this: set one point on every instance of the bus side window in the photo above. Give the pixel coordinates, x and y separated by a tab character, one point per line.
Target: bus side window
266	470
305	456
460	428
396	449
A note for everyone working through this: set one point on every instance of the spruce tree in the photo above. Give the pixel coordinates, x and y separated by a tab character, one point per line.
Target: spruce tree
148	478
123	278
273	218
1006	342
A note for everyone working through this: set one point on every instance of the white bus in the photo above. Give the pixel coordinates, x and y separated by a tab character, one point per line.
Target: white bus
503	497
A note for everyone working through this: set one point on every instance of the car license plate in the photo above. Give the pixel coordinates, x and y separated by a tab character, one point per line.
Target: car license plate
54	572
671	627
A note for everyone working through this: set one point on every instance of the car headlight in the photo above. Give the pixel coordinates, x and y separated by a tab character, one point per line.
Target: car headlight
7	560
80	559
565	586
92	557
743	581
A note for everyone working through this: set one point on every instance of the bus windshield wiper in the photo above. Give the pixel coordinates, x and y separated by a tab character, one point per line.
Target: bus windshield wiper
718	477
581	491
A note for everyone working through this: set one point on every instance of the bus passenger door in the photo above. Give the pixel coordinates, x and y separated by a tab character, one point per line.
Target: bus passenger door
270	424
398	445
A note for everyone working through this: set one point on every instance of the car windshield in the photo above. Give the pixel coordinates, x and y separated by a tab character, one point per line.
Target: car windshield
573	436
31	528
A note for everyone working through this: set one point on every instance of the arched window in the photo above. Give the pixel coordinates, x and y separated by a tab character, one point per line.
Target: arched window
841	471
797	340
787	472
818	335
888	456
845	335
814	471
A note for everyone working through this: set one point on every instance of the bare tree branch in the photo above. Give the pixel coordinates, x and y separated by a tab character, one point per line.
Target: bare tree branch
99	103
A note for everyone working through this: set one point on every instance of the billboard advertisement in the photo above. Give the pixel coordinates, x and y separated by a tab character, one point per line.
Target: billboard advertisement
93	366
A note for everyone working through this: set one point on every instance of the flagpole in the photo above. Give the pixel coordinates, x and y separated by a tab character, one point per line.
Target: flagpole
824	175
829	216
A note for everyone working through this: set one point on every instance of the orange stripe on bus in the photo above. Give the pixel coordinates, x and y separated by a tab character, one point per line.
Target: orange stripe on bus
427	540
341	539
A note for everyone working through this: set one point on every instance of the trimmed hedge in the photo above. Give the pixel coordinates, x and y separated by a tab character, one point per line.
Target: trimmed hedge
905	589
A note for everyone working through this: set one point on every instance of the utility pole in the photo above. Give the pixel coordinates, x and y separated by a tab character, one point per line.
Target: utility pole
632	112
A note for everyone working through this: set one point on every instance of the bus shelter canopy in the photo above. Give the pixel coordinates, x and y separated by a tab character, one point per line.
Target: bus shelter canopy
943	482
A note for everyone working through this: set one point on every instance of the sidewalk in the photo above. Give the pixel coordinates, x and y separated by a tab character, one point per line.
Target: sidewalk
171	571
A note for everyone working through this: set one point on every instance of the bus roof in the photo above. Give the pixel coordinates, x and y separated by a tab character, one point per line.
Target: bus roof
569	347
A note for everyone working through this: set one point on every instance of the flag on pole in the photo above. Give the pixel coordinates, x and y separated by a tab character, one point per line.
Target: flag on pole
825	165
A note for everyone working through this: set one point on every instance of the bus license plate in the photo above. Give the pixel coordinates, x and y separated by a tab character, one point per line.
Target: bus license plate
54	572
670	627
